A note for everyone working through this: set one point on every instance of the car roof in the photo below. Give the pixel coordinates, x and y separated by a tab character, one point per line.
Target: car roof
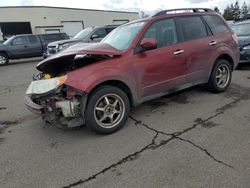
177	12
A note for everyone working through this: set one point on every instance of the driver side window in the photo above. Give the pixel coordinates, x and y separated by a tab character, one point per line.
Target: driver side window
164	31
100	33
20	41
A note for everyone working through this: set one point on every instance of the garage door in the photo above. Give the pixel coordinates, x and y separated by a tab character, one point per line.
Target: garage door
71	28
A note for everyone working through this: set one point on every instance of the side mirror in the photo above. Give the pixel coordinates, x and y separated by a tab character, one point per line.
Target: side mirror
95	36
149	44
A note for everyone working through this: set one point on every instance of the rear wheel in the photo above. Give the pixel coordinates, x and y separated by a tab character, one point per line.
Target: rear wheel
220	77
107	110
3	59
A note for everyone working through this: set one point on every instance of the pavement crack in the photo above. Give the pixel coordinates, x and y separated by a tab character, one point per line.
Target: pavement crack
204	150
152	145
129	157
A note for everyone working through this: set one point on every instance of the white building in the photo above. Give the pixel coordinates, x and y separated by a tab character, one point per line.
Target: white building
42	19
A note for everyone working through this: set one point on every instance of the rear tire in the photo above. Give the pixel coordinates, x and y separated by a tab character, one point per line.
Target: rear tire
107	110
4	59
220	77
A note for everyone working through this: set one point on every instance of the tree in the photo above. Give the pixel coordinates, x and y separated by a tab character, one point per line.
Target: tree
236	11
244	10
228	13
216	9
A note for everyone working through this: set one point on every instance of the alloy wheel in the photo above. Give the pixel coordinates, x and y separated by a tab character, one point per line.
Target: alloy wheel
109	110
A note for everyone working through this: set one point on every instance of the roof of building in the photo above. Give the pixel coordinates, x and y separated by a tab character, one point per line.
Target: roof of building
115	11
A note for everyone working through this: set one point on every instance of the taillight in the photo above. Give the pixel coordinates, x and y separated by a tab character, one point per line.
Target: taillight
235	38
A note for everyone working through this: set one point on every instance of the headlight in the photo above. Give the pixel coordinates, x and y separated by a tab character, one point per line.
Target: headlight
246	47
44	86
63	47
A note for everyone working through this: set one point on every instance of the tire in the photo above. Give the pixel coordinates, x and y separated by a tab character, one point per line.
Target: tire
107	110
220	77
4	59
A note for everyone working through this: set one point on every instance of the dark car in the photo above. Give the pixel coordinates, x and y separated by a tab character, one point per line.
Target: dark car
242	29
97	84
88	35
27	46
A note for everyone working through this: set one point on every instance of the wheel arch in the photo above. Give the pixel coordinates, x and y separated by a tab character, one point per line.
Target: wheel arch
119	84
5	53
228	58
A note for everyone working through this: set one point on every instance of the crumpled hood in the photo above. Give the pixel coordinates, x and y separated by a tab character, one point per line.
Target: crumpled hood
67	56
61	42
243	40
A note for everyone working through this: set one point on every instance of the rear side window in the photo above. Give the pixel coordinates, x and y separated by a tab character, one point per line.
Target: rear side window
32	39
192	27
215	23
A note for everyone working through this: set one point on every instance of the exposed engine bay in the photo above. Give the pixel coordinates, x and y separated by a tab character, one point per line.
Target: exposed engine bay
63	65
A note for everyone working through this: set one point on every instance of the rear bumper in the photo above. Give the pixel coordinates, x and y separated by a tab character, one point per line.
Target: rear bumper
33	107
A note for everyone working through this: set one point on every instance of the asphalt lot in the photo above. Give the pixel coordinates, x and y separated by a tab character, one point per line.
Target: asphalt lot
189	139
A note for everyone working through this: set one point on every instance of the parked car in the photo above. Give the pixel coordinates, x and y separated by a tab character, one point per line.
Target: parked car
97	84
242	29
88	35
27	46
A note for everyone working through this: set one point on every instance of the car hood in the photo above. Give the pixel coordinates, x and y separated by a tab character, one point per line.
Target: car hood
243	40
67	41
77	51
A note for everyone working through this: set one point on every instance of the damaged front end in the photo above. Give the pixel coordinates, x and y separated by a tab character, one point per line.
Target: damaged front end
56	102
50	96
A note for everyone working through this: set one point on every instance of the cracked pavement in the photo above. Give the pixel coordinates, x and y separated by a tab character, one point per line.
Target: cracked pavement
189	139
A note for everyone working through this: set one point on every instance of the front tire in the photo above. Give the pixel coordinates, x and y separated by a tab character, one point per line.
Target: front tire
107	110
220	77
3	59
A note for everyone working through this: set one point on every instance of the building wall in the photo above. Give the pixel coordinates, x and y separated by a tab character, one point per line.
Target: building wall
52	16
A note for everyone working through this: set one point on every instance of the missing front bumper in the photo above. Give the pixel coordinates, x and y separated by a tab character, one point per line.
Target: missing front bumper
67	112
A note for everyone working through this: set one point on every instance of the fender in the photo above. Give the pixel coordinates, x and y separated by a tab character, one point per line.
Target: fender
221	50
90	80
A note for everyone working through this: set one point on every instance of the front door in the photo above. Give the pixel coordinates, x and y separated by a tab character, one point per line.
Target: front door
164	68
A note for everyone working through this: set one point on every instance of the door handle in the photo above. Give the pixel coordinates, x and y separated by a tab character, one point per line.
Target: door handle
212	43
178	52
25	46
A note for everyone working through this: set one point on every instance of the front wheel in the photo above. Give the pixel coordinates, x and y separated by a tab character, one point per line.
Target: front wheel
107	110
3	59
220	77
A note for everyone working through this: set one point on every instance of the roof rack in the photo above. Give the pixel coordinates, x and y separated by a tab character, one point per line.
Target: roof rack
181	10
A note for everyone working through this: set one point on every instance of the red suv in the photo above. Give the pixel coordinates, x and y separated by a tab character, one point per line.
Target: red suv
97	84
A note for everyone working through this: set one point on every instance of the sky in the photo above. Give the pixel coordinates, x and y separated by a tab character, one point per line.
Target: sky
124	5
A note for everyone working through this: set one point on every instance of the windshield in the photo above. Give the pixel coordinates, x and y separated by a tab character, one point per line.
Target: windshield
84	33
122	37
242	29
8	40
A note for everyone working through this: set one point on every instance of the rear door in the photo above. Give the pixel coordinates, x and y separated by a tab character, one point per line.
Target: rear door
35	47
197	39
164	68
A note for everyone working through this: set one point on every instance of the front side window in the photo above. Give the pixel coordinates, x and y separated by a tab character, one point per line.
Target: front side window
100	33
215	23
192	27
19	41
164	31
83	34
122	37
